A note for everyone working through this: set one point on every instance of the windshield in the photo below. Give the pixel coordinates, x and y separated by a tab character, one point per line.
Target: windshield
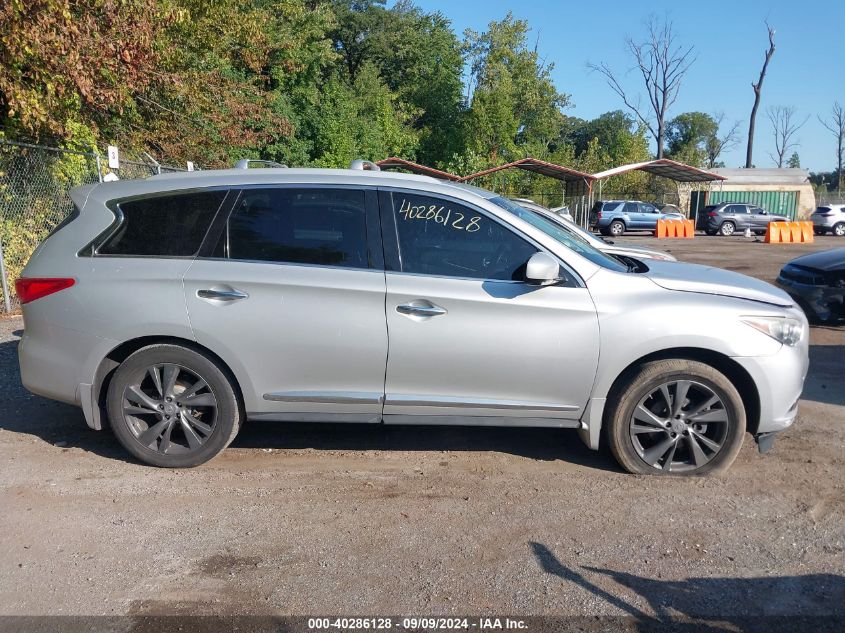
565	237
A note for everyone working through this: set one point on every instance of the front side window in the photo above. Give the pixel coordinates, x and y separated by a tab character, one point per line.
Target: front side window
298	226
648	208
171	225
562	232
447	239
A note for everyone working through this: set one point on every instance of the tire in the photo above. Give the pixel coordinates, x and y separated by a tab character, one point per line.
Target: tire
839	229
710	232
171	433
617	228
819	231
727	229
635	445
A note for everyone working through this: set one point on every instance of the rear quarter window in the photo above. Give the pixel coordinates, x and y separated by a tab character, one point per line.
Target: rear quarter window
171	225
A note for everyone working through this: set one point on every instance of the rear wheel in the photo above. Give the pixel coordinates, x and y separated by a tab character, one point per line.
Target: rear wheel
727	228
173	407
818	231
675	417
617	228
839	229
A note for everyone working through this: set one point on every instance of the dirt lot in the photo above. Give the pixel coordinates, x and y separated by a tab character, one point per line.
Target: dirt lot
329	519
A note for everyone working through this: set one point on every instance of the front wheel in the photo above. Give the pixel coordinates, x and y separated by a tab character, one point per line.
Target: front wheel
675	417
173	407
839	229
727	228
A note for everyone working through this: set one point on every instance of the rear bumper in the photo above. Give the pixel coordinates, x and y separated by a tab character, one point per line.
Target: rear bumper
55	361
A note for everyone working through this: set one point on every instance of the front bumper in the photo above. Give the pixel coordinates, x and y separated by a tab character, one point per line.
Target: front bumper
826	303
780	381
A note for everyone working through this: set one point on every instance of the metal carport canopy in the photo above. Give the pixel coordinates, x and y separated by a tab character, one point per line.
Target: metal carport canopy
666	168
415	168
577	182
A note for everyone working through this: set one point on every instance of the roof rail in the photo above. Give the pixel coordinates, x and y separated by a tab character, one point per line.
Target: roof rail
244	163
360	163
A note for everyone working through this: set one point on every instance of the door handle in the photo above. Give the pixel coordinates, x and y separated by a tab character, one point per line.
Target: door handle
222	295
421	310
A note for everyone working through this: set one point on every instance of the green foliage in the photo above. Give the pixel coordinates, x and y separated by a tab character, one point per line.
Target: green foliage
794	161
304	82
515	109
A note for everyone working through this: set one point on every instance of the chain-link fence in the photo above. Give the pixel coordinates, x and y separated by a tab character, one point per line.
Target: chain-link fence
34	185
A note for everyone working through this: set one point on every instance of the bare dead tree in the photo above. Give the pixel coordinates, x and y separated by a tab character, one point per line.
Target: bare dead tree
784	126
663	64
836	125
758	87
721	142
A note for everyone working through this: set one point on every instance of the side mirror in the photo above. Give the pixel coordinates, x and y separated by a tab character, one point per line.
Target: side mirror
542	269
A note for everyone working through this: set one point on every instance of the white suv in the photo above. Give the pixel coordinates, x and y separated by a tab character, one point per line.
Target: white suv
831	218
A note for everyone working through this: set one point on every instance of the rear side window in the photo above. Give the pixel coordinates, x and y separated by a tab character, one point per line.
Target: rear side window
165	226
298	226
631	207
443	238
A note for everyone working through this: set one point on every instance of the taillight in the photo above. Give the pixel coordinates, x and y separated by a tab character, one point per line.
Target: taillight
712	214
30	289
598	215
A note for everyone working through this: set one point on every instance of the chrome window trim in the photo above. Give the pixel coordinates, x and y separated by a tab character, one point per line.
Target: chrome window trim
326	397
415	400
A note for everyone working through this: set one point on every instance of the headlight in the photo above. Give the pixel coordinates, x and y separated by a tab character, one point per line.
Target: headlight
785	330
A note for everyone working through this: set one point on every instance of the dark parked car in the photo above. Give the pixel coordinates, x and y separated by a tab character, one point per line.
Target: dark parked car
727	218
614	217
817	283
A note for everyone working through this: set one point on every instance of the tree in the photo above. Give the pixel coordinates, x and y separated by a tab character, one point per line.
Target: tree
784	127
515	108
794	161
719	143
688	135
71	65
758	87
662	64
836	125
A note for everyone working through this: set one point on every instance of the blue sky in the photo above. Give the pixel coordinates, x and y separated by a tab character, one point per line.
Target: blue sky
807	70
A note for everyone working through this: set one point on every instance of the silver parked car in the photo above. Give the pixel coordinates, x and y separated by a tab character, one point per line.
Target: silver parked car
562	212
829	218
618	249
175	308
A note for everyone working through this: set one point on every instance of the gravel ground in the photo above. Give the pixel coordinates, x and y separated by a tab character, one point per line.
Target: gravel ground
331	519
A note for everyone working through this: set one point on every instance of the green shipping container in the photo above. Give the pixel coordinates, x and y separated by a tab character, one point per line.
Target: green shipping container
776	202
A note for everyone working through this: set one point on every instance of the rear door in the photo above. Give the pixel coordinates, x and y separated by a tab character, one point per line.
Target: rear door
470	341
289	291
634	218
759	219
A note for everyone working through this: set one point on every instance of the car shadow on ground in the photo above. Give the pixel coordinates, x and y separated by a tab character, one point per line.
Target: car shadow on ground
766	603
826	378
63	425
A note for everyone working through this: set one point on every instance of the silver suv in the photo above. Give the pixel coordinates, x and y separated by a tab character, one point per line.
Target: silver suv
175	308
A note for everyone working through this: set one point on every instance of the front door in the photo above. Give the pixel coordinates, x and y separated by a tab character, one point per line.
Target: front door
470	341
291	295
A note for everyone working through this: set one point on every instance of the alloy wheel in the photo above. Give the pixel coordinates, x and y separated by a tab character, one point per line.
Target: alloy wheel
728	228
679	426
839	229
170	409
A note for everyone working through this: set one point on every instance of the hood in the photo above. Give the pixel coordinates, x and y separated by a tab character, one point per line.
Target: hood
714	281
829	261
